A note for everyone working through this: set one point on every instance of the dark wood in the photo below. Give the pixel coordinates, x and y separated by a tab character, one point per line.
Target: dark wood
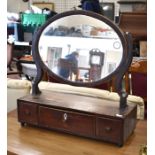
80	115
139	66
106	129
66	120
31	140
28	112
131	2
138	71
10	59
9	54
135	23
119	78
10	153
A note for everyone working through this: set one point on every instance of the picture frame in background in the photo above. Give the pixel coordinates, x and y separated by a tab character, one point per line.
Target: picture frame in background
43	5
108	10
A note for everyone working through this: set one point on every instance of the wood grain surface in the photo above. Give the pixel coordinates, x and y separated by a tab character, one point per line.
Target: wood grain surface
35	141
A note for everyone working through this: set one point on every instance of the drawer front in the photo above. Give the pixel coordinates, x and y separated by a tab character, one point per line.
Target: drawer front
81	124
27	113
109	129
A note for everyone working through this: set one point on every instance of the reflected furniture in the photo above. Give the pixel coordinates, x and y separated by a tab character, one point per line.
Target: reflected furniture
66	65
96	62
80	114
87	76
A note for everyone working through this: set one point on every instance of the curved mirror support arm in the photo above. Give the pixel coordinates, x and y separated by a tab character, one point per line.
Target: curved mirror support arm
127	61
35	82
37	79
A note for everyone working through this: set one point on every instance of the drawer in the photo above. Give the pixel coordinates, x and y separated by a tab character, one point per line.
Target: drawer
27	113
109	129
82	124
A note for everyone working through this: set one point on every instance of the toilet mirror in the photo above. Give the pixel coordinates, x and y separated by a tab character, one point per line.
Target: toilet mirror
79	47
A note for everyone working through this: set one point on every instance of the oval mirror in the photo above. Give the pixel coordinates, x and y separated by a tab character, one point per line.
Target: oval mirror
80	47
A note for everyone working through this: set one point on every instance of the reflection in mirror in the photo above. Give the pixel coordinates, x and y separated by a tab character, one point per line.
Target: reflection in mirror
80	48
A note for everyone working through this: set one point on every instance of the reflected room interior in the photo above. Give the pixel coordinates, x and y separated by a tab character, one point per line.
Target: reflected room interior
96	61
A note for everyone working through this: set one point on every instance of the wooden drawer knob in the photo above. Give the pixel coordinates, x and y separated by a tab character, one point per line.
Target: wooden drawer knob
108	129
27	112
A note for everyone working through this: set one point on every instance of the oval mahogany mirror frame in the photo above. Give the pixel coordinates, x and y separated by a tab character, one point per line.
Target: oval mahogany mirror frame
118	73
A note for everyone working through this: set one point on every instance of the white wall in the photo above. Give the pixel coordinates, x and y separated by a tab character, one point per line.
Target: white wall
16	6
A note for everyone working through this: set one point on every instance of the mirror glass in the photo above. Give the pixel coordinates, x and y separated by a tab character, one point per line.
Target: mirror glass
80	48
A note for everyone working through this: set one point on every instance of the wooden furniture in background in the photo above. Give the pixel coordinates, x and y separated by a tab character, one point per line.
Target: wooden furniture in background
139	65
138	71
10	71
9	54
143	48
136	24
30	140
137	83
132	5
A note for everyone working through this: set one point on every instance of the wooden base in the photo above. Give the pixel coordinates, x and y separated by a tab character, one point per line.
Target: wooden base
80	115
31	140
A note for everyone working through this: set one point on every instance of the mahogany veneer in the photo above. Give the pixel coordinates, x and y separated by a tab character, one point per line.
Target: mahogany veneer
80	115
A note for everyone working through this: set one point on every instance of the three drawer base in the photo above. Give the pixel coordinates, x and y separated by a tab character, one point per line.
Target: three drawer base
88	123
